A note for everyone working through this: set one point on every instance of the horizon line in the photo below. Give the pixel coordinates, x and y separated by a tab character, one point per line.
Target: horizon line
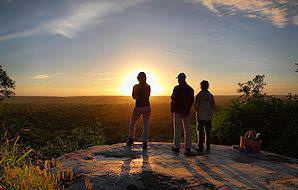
53	96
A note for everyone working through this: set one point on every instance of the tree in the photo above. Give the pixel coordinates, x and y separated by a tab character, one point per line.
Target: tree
7	85
252	87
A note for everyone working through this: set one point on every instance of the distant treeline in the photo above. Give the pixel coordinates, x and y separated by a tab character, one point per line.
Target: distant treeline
100	100
54	129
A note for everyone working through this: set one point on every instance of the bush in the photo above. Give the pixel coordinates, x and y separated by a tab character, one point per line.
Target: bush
80	138
275	118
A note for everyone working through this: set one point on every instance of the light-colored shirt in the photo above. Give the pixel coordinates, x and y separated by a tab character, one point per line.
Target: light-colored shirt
204	105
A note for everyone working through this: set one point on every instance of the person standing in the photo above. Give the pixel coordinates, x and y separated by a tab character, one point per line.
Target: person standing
141	93
204	108
182	101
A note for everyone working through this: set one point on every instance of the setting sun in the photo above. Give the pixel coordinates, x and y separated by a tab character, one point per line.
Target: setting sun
130	79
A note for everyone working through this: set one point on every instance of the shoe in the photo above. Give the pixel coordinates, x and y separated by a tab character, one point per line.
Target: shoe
129	142
200	150
187	152
208	150
175	150
144	146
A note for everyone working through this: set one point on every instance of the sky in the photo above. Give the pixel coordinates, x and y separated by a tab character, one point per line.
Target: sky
90	48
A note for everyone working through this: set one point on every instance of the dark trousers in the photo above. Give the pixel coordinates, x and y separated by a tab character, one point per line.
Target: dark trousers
204	128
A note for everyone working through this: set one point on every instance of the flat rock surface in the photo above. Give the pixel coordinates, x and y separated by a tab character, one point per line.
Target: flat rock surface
118	167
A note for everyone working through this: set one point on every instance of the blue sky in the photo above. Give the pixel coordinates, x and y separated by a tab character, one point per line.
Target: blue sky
72	47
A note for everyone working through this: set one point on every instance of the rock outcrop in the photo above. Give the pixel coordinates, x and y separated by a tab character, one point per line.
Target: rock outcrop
117	167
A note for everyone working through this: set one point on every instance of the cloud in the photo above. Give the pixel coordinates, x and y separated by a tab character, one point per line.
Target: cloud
252	16
210	5
105	79
83	15
25	33
275	12
295	20
107	73
41	77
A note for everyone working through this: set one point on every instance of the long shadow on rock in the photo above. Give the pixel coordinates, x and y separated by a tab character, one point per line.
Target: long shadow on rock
233	173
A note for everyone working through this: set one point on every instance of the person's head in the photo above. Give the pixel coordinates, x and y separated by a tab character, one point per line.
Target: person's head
142	77
204	85
181	78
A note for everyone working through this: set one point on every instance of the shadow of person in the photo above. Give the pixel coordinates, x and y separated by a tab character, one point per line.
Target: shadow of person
233	173
200	180
281	167
125	168
145	164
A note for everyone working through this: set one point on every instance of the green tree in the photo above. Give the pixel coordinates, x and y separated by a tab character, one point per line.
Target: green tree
252	87
7	85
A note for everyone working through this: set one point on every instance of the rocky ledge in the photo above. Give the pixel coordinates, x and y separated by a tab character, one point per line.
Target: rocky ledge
118	167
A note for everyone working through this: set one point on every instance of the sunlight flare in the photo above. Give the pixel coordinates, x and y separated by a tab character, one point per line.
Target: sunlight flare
130	79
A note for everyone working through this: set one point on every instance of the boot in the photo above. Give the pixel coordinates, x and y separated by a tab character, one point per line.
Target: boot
129	142
200	149
175	150
144	146
208	150
187	152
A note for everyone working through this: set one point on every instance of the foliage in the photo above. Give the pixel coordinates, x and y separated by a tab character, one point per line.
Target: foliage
15	170
47	124
11	154
252	87
7	85
18	172
275	118
28	177
54	129
78	139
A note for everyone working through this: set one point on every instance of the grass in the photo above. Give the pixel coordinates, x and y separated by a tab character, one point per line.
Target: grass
18	172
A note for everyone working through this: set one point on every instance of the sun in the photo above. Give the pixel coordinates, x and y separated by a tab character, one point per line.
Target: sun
130	79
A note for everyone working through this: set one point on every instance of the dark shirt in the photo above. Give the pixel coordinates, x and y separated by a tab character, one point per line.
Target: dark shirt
141	93
182	99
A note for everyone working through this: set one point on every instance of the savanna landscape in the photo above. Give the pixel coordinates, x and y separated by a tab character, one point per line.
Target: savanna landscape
77	78
49	127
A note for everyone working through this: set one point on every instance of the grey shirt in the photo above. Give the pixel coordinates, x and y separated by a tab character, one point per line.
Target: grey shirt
204	105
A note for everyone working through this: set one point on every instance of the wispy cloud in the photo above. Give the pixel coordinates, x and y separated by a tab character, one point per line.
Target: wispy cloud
87	14
106	73
83	15
274	11
106	78
22	34
41	77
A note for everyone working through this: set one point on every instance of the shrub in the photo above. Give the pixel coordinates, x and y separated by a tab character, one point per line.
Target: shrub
80	138
275	118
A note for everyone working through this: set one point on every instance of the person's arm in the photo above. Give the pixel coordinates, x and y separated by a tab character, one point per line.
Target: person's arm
173	98
135	92
212	103
196	107
197	103
149	92
192	98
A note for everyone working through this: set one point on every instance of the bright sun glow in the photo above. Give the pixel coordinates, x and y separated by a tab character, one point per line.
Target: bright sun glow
130	80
